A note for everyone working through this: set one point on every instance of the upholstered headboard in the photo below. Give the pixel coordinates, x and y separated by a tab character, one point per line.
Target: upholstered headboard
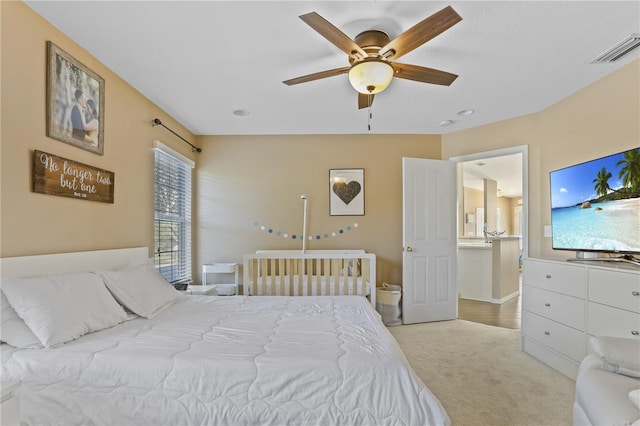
26	266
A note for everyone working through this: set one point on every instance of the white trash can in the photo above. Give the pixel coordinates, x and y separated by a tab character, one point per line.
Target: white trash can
388	304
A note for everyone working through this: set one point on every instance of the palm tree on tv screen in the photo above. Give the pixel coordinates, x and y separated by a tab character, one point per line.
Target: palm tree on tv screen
630	172
602	182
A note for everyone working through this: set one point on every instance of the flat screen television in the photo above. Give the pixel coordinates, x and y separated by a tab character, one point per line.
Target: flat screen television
595	207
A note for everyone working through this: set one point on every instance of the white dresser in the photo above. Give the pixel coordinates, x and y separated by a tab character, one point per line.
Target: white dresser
565	302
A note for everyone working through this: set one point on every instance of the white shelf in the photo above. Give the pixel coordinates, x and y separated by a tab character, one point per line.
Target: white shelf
225	288
202	290
220	268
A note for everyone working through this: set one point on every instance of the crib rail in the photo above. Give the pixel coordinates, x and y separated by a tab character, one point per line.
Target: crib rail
319	272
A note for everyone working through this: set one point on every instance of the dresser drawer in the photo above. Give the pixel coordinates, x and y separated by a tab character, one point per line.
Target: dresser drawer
556	276
565	309
617	289
607	321
559	337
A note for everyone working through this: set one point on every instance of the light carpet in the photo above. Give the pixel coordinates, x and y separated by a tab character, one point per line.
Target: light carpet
482	377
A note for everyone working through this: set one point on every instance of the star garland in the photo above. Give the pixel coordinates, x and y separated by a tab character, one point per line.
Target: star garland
276	232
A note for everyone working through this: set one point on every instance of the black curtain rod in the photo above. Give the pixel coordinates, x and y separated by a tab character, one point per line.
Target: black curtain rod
156	122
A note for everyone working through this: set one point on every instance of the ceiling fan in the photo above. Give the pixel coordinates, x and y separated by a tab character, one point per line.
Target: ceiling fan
372	54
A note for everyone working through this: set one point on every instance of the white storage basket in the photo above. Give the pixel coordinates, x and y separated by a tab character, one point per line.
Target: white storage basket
388	299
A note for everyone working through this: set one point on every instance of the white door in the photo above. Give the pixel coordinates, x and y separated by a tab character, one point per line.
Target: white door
429	260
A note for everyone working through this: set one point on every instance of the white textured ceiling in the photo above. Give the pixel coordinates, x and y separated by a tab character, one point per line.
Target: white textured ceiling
201	60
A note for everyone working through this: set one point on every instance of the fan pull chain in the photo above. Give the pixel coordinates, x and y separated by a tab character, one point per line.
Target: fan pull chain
370	114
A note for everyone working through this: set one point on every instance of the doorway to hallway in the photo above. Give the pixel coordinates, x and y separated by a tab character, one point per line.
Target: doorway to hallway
472	219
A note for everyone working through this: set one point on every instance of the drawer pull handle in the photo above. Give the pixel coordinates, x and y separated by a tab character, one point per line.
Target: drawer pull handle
635	332
548	305
548	276
635	293
546	333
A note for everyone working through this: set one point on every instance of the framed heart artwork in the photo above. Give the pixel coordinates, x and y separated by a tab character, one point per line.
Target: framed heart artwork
346	192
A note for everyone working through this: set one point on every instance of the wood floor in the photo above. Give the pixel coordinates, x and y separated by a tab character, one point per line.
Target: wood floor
506	315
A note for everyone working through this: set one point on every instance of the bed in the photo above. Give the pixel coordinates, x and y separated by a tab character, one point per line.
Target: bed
310	273
237	360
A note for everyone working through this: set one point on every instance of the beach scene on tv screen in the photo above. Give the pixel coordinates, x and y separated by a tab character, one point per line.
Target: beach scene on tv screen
596	205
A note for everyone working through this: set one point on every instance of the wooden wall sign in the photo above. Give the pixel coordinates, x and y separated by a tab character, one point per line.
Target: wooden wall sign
59	176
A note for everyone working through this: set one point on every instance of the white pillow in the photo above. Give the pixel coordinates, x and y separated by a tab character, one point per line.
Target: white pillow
619	355
141	289
60	308
634	397
13	330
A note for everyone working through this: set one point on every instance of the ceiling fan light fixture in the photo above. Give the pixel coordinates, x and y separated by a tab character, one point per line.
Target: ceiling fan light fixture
370	76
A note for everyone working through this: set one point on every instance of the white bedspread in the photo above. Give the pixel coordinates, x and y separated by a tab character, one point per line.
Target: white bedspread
229	361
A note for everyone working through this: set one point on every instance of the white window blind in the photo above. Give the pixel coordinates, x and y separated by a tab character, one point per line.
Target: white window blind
172	218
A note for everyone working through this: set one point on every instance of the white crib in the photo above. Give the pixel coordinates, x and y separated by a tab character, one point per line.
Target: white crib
314	272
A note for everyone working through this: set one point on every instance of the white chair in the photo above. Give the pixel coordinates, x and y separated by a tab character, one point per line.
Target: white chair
608	383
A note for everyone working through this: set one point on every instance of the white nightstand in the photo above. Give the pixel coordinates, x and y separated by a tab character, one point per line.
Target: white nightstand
10	404
226	288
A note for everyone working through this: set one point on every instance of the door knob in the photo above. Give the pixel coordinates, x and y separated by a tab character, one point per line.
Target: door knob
409	249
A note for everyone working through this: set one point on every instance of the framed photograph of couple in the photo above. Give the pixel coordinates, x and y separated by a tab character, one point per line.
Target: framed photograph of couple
75	102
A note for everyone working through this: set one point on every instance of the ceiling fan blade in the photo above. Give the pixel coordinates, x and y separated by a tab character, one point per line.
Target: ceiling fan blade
421	33
364	100
333	34
423	74
316	76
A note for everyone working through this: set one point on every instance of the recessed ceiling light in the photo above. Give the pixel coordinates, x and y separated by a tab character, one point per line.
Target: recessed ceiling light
466	112
480	163
446	122
241	112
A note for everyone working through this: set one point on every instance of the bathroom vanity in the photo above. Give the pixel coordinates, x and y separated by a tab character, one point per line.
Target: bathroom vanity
489	271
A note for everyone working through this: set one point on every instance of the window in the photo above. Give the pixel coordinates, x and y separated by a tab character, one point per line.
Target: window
172	217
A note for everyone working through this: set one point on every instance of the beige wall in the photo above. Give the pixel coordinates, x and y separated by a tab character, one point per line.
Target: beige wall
243	179
602	119
473	199
506	211
490	204
33	223
516	203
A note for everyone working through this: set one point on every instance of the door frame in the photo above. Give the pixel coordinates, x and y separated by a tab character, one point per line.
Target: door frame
521	149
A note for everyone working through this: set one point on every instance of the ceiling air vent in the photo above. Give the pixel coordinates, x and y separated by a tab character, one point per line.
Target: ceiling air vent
619	50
